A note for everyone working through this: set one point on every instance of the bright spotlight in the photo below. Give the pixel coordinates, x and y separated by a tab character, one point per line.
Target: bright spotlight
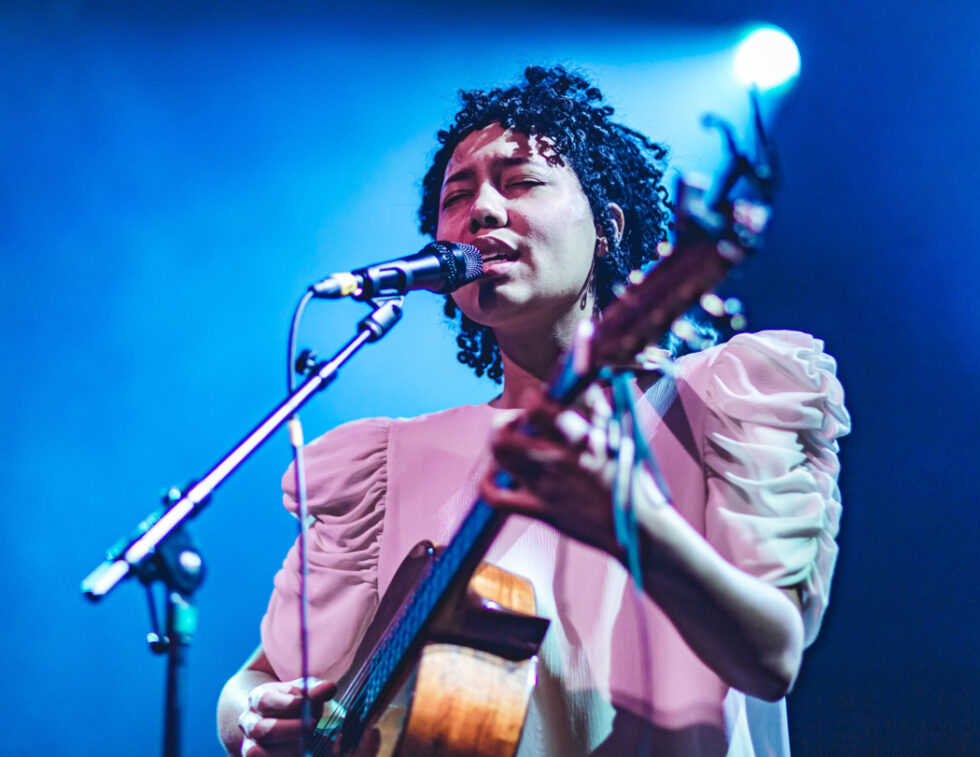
767	58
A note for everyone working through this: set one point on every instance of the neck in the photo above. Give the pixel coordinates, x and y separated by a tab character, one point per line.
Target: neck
528	357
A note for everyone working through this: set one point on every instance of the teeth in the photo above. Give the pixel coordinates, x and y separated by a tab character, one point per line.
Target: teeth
494	251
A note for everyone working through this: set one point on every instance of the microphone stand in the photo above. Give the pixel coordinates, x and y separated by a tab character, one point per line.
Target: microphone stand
160	550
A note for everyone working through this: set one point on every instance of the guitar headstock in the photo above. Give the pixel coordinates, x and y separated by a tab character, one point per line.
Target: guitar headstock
714	231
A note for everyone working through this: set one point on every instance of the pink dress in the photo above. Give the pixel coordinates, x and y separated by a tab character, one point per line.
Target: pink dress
745	434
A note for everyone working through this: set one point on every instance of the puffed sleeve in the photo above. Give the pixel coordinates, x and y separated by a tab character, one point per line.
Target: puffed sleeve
774	413
347	481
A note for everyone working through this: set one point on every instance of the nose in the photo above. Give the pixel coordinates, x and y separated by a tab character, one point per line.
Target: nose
489	209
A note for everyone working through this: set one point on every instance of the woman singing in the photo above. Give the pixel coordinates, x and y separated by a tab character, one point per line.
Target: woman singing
563	202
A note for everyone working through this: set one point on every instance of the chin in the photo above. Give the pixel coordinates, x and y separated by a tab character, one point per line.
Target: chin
493	304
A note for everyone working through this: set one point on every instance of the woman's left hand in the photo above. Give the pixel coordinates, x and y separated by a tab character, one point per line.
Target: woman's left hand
562	468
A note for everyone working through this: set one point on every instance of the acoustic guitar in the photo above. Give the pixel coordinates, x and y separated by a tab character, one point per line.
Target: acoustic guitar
448	667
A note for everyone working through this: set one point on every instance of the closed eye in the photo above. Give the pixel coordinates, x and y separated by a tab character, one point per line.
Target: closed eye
525	183
450	199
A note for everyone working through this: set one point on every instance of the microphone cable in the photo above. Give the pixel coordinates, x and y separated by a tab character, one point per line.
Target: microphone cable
299	472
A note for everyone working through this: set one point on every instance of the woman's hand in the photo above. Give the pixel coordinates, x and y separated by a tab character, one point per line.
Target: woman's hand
564	475
272	723
563	470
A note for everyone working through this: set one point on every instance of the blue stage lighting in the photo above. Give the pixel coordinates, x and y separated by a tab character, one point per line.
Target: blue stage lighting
767	58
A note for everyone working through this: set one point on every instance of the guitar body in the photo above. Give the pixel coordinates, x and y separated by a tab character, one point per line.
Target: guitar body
467	702
468	690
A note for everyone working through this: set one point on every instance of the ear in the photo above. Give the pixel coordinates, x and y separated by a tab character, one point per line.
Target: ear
619	221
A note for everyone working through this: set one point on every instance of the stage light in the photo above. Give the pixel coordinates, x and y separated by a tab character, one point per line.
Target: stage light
767	58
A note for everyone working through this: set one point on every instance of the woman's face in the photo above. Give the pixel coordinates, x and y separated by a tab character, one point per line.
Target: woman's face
531	221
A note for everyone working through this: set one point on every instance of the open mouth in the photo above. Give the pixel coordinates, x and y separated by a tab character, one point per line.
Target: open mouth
494	250
494	258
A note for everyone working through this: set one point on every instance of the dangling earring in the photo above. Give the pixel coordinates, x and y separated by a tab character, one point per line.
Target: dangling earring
589	289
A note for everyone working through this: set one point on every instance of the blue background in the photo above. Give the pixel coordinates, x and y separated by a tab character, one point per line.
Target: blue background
171	178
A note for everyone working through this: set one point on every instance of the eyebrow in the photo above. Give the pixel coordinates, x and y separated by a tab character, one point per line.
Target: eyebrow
468	173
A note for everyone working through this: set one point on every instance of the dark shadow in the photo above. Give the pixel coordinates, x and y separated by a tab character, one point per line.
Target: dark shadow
634	735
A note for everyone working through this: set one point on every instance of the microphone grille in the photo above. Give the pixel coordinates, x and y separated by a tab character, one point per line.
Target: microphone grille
464	263
472	262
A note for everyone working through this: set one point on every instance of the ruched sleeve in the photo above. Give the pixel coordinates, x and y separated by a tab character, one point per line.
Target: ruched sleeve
774	413
347	480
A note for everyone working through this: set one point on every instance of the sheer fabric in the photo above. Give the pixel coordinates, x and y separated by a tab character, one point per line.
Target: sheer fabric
745	434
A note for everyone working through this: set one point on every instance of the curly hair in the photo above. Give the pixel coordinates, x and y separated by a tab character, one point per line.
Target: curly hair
614	164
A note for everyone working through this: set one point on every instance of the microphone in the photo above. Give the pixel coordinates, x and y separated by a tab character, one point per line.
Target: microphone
440	267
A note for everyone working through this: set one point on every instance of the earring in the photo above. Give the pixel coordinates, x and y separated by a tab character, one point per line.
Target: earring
596	313
589	289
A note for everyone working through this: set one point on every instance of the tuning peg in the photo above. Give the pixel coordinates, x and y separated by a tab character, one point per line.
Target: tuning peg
713	305
734	310
733	306
687	333
753	217
730	308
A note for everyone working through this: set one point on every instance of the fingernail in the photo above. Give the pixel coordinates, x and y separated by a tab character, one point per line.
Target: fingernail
572	425
542	456
247	721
